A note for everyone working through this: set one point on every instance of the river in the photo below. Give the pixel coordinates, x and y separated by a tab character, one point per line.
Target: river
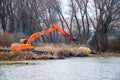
83	68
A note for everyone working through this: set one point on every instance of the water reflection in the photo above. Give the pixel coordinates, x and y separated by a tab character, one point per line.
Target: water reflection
67	69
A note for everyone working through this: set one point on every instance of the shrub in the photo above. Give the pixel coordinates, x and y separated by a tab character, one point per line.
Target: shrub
6	39
114	45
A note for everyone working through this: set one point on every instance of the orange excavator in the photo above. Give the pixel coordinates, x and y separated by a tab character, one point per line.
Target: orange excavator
26	44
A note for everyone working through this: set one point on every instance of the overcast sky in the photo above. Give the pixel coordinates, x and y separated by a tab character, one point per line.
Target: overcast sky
65	8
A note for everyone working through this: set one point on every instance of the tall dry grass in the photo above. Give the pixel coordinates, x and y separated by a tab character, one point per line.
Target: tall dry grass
6	39
62	50
51	51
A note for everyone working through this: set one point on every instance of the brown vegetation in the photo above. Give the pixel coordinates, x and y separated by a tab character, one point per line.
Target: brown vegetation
114	45
63	50
6	39
15	56
53	52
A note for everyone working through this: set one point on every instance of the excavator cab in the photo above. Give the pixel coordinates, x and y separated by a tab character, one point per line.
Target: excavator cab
23	41
21	46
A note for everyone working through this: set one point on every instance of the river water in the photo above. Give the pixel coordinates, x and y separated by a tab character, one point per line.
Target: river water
64	69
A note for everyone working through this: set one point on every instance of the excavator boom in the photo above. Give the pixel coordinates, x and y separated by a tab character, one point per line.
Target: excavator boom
55	27
38	34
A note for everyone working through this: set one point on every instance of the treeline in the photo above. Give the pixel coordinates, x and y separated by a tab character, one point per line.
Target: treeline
29	16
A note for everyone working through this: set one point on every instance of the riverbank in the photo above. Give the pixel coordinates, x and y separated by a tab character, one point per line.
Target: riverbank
106	55
53	52
31	61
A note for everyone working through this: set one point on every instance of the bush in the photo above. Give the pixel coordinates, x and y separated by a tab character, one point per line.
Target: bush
114	45
6	39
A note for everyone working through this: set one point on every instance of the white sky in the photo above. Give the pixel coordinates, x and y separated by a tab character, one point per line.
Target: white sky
65	8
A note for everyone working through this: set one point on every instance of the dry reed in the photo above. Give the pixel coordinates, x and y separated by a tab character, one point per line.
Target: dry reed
6	39
51	52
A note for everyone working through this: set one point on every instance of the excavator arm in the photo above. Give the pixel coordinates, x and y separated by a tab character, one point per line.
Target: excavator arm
63	32
55	27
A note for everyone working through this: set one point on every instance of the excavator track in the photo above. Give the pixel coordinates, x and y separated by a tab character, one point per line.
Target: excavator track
33	51
39	52
5	50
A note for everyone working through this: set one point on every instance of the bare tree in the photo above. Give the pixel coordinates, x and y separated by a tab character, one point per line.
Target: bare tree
106	12
3	13
79	12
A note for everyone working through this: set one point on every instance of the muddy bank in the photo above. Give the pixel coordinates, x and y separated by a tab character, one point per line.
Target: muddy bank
16	62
